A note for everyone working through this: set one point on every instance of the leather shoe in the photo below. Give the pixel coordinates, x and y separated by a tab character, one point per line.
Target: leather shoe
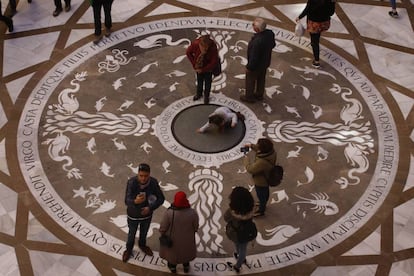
125	256
146	250
196	97
29	1
67	8
57	12
235	268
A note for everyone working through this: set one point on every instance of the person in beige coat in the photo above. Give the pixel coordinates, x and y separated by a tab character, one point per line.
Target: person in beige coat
182	230
259	168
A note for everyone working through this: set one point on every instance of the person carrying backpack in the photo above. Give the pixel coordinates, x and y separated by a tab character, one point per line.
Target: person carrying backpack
259	168
240	228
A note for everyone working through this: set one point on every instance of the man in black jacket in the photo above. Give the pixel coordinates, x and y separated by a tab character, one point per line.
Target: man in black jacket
259	55
143	195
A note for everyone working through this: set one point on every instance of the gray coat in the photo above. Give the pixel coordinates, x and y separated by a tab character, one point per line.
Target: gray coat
184	227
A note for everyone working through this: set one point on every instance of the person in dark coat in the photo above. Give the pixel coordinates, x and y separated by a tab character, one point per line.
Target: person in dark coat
203	55
318	19
143	195
259	168
180	222
259	55
240	211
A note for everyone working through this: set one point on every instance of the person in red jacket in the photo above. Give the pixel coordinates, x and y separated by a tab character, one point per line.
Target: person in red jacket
203	55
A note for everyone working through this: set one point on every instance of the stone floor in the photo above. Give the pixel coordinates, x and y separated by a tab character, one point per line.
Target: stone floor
76	119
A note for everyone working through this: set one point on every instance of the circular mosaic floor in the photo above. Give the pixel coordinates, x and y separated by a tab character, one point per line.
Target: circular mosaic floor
94	114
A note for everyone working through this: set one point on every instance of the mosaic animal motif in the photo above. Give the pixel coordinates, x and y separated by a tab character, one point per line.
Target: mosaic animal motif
321	204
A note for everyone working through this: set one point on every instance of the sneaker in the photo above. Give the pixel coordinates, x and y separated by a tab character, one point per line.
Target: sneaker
235	268
57	12
258	214
196	97
244	98
146	250
393	14
126	255
316	64
67	8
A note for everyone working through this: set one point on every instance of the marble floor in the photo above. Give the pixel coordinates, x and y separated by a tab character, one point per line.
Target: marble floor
344	134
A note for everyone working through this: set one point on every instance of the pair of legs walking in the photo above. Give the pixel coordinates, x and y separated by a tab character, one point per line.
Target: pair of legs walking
144	226
263	196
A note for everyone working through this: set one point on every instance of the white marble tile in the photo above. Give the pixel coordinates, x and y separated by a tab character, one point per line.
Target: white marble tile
8	261
393	65
37	232
76	35
3	161
260	12
371	245
354	270
374	22
20	53
15	87
404	226
121	273
405	103
410	179
120	12
215	5
345	44
3	118
403	268
38	15
8	205
166	9
50	264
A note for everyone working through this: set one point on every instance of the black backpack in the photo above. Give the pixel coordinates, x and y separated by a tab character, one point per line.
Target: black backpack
241	230
275	176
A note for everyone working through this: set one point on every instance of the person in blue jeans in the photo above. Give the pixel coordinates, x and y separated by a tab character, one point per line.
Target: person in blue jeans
143	195
393	13
241	210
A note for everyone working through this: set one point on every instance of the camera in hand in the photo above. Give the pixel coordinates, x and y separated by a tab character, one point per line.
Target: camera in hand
245	149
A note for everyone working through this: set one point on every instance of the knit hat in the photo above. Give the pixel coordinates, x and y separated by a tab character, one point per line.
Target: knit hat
180	200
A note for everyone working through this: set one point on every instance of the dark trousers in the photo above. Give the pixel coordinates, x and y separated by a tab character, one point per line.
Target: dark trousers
5	19
144	226
58	4
263	196
13	5
97	7
204	81
255	83
315	38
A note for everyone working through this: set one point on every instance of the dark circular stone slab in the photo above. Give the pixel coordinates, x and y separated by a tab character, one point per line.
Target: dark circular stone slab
190	119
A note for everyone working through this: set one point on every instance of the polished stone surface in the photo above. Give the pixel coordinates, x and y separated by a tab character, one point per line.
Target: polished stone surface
76	119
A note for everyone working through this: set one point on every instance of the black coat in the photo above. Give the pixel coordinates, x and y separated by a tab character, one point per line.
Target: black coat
259	50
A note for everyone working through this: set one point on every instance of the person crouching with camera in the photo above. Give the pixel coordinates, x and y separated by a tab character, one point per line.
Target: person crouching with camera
258	163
